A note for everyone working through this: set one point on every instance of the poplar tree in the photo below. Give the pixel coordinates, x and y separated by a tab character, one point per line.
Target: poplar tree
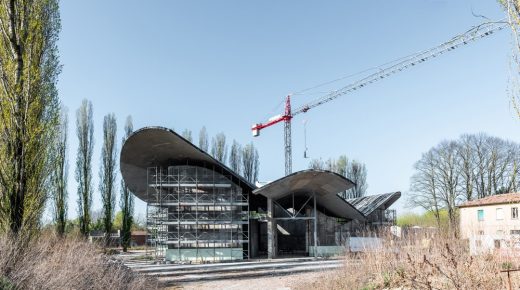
29	109
60	174
186	134
127	198
250	163
108	173
235	157
203	139
85	133
219	147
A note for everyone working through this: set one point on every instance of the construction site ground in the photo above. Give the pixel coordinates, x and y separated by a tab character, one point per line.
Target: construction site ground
282	273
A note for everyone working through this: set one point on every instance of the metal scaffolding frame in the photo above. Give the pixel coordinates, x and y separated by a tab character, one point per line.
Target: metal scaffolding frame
195	213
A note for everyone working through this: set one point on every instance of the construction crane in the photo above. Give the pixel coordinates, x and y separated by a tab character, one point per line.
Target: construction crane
475	33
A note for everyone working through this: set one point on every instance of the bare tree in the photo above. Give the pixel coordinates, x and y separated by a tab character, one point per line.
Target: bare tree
108	173
60	174
29	109
513	11
317	164
466	166
85	132
357	173
219	147
473	166
448	179
186	134
353	170
424	185
127	198
250	163
203	139
235	157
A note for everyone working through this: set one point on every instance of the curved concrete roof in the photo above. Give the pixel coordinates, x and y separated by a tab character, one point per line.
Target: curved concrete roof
325	184
368	204
159	146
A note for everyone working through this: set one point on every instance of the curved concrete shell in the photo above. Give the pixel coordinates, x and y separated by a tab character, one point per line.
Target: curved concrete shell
159	146
325	184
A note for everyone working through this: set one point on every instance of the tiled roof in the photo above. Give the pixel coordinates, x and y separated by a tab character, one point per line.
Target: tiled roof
494	199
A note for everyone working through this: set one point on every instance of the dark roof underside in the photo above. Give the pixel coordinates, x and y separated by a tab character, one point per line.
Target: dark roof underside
367	204
325	184
158	146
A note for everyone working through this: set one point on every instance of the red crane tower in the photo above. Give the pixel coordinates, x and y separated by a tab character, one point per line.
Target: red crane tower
472	34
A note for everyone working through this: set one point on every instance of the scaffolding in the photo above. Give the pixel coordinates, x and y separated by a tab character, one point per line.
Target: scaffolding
196	214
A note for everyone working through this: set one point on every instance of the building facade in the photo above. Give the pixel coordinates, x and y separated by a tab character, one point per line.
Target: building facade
491	223
200	210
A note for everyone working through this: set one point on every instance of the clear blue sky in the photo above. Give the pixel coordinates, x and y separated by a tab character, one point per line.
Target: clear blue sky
228	64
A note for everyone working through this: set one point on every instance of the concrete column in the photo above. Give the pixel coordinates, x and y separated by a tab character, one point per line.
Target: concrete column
272	248
315	227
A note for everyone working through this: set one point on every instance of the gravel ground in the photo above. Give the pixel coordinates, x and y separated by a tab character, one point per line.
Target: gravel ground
263	283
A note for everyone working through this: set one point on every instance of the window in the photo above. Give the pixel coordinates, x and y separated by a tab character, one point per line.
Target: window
514	213
480	233
478	243
500	214
480	214
497	244
515	232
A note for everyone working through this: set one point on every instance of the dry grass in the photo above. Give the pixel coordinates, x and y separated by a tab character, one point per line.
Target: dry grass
69	263
421	264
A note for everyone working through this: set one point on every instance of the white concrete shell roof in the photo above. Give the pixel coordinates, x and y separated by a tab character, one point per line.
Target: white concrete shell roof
159	146
325	184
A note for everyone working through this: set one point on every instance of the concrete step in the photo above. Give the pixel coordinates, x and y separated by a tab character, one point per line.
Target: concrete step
136	265
228	267
243	274
242	268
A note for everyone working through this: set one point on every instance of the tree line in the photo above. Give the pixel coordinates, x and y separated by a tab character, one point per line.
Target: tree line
244	160
470	167
352	169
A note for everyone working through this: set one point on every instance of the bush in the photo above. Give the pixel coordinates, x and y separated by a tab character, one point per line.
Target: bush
439	263
63	263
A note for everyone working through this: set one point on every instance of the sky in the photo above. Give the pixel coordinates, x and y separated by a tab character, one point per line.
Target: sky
228	64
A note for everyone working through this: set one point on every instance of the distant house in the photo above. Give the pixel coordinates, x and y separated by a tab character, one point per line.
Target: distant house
491	223
99	237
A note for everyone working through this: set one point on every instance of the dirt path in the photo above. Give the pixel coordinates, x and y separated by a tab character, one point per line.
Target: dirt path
263	283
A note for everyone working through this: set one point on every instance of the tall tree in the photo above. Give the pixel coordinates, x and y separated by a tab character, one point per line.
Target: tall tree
203	139
60	174
219	147
29	109
235	157
448	179
250	163
127	199
85	132
357	173
473	166
512	8
108	173
186	134
353	170
317	164
424	185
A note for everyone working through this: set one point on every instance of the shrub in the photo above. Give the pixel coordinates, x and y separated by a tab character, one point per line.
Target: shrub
439	263
50	262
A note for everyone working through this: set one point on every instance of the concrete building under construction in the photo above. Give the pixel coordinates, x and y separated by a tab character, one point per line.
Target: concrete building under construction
198	209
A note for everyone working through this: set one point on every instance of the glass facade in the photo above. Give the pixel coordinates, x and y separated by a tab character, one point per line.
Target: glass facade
196	214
